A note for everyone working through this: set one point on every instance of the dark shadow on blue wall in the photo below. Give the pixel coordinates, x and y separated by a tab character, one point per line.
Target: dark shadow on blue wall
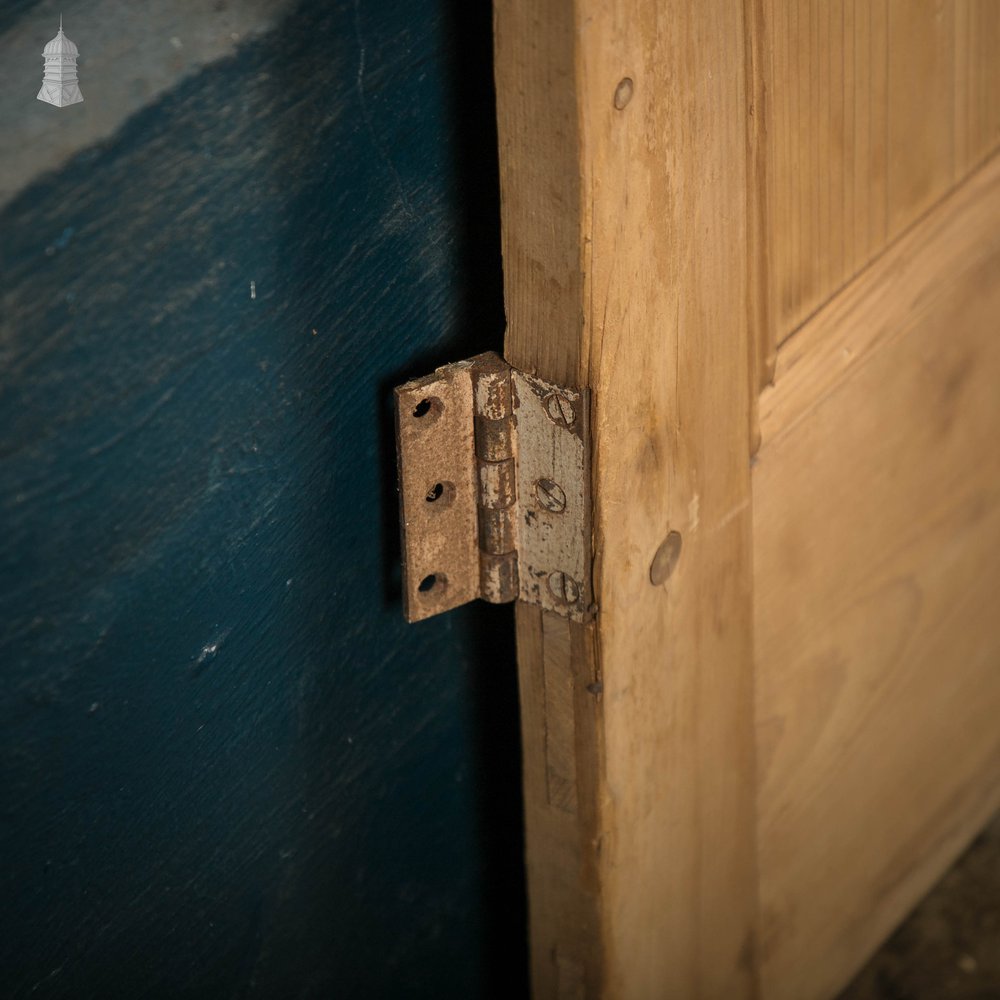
491	630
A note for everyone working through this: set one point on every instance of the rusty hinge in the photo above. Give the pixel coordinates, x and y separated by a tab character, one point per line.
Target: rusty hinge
494	483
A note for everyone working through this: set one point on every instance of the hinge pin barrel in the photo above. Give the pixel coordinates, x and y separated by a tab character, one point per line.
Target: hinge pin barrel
497	481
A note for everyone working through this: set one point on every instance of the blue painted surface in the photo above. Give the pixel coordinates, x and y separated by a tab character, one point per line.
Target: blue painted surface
12	10
229	769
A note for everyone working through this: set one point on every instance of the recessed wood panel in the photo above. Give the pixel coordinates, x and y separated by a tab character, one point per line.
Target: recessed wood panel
876	498
866	113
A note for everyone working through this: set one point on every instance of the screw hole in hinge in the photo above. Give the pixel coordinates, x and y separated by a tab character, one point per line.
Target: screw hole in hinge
432	584
430	407
441	495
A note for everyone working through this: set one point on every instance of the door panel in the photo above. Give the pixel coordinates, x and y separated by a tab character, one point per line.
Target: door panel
870	113
876	531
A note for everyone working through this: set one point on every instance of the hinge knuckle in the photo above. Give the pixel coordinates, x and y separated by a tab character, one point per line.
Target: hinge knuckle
497	479
498	531
491	381
498	577
497	484
493	439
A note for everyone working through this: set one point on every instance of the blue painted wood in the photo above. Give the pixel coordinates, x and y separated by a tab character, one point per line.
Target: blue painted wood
13	10
229	769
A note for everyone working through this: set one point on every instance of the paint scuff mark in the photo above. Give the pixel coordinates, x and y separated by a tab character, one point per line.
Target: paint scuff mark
211	648
61	242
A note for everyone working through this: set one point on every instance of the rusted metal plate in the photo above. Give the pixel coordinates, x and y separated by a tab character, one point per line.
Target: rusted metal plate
438	491
553	494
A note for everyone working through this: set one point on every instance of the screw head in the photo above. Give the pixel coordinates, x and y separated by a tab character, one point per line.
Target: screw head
550	495
560	409
563	588
665	560
623	93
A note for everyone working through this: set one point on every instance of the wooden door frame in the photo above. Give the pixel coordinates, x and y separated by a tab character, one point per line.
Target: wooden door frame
623	162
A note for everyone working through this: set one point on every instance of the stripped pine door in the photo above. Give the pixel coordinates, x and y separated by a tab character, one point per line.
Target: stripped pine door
767	237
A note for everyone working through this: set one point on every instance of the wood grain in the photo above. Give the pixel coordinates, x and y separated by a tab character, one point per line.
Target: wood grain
977	82
560	726
876	527
623	169
540	178
867	114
